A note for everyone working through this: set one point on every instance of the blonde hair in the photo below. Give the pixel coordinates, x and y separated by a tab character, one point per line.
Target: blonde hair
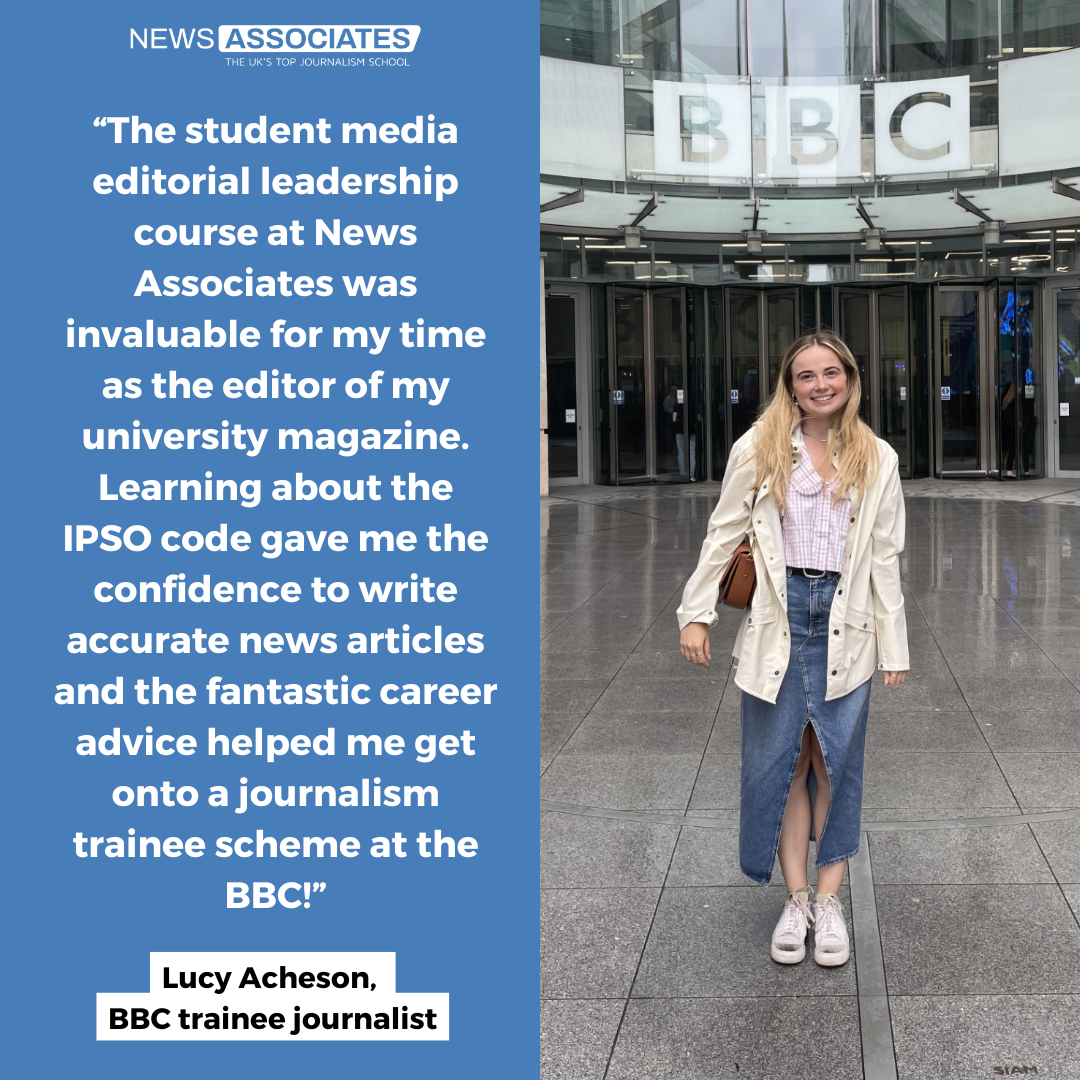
850	437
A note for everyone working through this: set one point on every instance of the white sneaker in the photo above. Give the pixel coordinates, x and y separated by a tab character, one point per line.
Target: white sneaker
789	937
831	945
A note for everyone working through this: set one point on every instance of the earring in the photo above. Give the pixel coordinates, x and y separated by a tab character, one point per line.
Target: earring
795	399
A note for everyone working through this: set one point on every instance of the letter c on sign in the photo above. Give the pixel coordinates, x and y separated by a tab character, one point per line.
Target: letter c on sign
925	97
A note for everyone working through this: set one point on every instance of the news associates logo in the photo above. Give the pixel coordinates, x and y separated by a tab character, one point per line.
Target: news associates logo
317	39
350	45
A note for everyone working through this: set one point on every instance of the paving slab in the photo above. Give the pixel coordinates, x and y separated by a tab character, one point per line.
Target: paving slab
622	781
758	1039
591	940
1043	779
950	1037
985	856
924	731
714	942
1060	844
1033	729
576	1038
1072	896
589	852
717	786
642	733
920	780
985	939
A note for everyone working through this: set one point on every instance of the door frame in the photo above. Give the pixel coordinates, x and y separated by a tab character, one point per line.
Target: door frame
583	378
648	293
1052	443
732	291
873	367
986	321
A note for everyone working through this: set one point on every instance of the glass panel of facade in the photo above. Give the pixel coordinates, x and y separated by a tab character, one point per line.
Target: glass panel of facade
563	259
630	427
893	360
688	263
810	263
783	330
895	262
955	256
1067	251
671	432
745	390
855	327
712	37
575	30
719	397
1050	25
915	38
647	34
1019	381
973	28
740	265
1020	253
609	259
562	419
958	327
793	38
1067	319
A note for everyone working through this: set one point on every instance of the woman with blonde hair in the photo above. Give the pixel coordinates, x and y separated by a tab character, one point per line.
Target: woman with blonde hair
819	498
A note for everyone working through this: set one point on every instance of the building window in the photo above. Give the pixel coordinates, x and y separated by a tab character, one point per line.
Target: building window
973	31
1050	25
915	38
791	38
647	34
713	39
575	30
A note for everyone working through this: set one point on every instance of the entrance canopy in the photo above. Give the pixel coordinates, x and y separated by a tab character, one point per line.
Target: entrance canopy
1044	203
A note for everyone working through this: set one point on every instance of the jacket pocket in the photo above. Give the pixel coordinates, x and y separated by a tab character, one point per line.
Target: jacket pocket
860	644
859	620
761	615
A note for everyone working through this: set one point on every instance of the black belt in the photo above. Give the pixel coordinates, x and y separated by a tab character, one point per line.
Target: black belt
810	572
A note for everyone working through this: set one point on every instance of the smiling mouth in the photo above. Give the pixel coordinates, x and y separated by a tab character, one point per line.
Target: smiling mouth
822	400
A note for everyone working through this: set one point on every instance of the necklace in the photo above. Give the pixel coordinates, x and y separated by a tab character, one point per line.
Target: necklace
807	435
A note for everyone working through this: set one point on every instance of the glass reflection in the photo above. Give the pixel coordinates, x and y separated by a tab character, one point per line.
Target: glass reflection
1017	382
712	37
960	389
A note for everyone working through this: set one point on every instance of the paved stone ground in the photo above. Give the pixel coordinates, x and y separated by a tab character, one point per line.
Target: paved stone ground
965	898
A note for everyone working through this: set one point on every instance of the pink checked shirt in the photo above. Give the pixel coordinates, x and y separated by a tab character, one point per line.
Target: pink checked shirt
815	528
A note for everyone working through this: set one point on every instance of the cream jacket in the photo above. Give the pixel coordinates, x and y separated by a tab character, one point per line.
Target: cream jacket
867	628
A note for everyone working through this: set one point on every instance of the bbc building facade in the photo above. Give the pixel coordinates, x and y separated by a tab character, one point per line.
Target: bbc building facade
719	176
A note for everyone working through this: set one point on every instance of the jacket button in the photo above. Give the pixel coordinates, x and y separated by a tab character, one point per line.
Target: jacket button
776	672
834	672
864	626
839	592
852	521
836	633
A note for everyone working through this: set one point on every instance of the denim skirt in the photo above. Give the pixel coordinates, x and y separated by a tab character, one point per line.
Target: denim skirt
772	739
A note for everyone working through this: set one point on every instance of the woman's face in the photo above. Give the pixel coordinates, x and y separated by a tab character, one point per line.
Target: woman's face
819	382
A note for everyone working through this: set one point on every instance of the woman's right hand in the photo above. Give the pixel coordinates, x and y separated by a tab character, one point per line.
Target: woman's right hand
694	644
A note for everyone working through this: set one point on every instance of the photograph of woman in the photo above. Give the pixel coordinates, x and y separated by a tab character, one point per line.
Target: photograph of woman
819	498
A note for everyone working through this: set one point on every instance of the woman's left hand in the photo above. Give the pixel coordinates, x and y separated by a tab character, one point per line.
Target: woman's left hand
895	678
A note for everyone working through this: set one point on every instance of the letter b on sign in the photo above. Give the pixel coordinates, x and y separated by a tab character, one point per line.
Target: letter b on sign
263	894
236	894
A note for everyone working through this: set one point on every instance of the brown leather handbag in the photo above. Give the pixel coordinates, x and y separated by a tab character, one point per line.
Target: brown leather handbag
738	580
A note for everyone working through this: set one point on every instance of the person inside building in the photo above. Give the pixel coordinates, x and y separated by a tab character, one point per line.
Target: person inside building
819	498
